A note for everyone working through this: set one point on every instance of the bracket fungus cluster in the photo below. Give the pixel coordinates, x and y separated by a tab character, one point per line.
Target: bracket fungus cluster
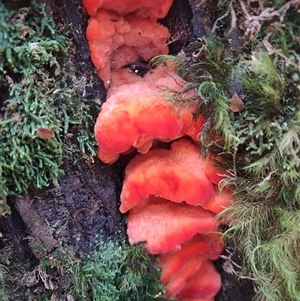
170	193
120	32
166	192
138	113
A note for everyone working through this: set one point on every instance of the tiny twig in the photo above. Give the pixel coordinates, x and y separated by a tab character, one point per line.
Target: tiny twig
252	24
229	265
272	50
221	18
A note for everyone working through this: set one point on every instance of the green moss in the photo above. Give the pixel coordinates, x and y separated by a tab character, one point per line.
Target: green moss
266	167
40	91
115	271
112	270
207	67
25	52
260	143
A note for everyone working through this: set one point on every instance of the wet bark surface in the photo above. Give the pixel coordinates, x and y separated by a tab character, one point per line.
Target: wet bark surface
72	216
85	205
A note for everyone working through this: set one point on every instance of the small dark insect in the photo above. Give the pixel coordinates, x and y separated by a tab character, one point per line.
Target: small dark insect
139	67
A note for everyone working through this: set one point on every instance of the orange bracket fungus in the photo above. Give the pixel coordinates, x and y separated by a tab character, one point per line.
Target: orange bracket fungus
174	224
205	283
135	115
121	31
171	194
179	168
155	8
139	113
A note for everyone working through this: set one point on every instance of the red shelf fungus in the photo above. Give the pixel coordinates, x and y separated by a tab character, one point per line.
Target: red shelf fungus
171	194
178	281
165	225
177	174
210	246
155	8
219	200
205	283
136	114
120	32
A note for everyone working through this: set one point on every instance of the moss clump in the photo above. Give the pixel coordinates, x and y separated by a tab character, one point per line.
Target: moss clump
115	271
207	66
43	116
261	141
266	176
27	49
